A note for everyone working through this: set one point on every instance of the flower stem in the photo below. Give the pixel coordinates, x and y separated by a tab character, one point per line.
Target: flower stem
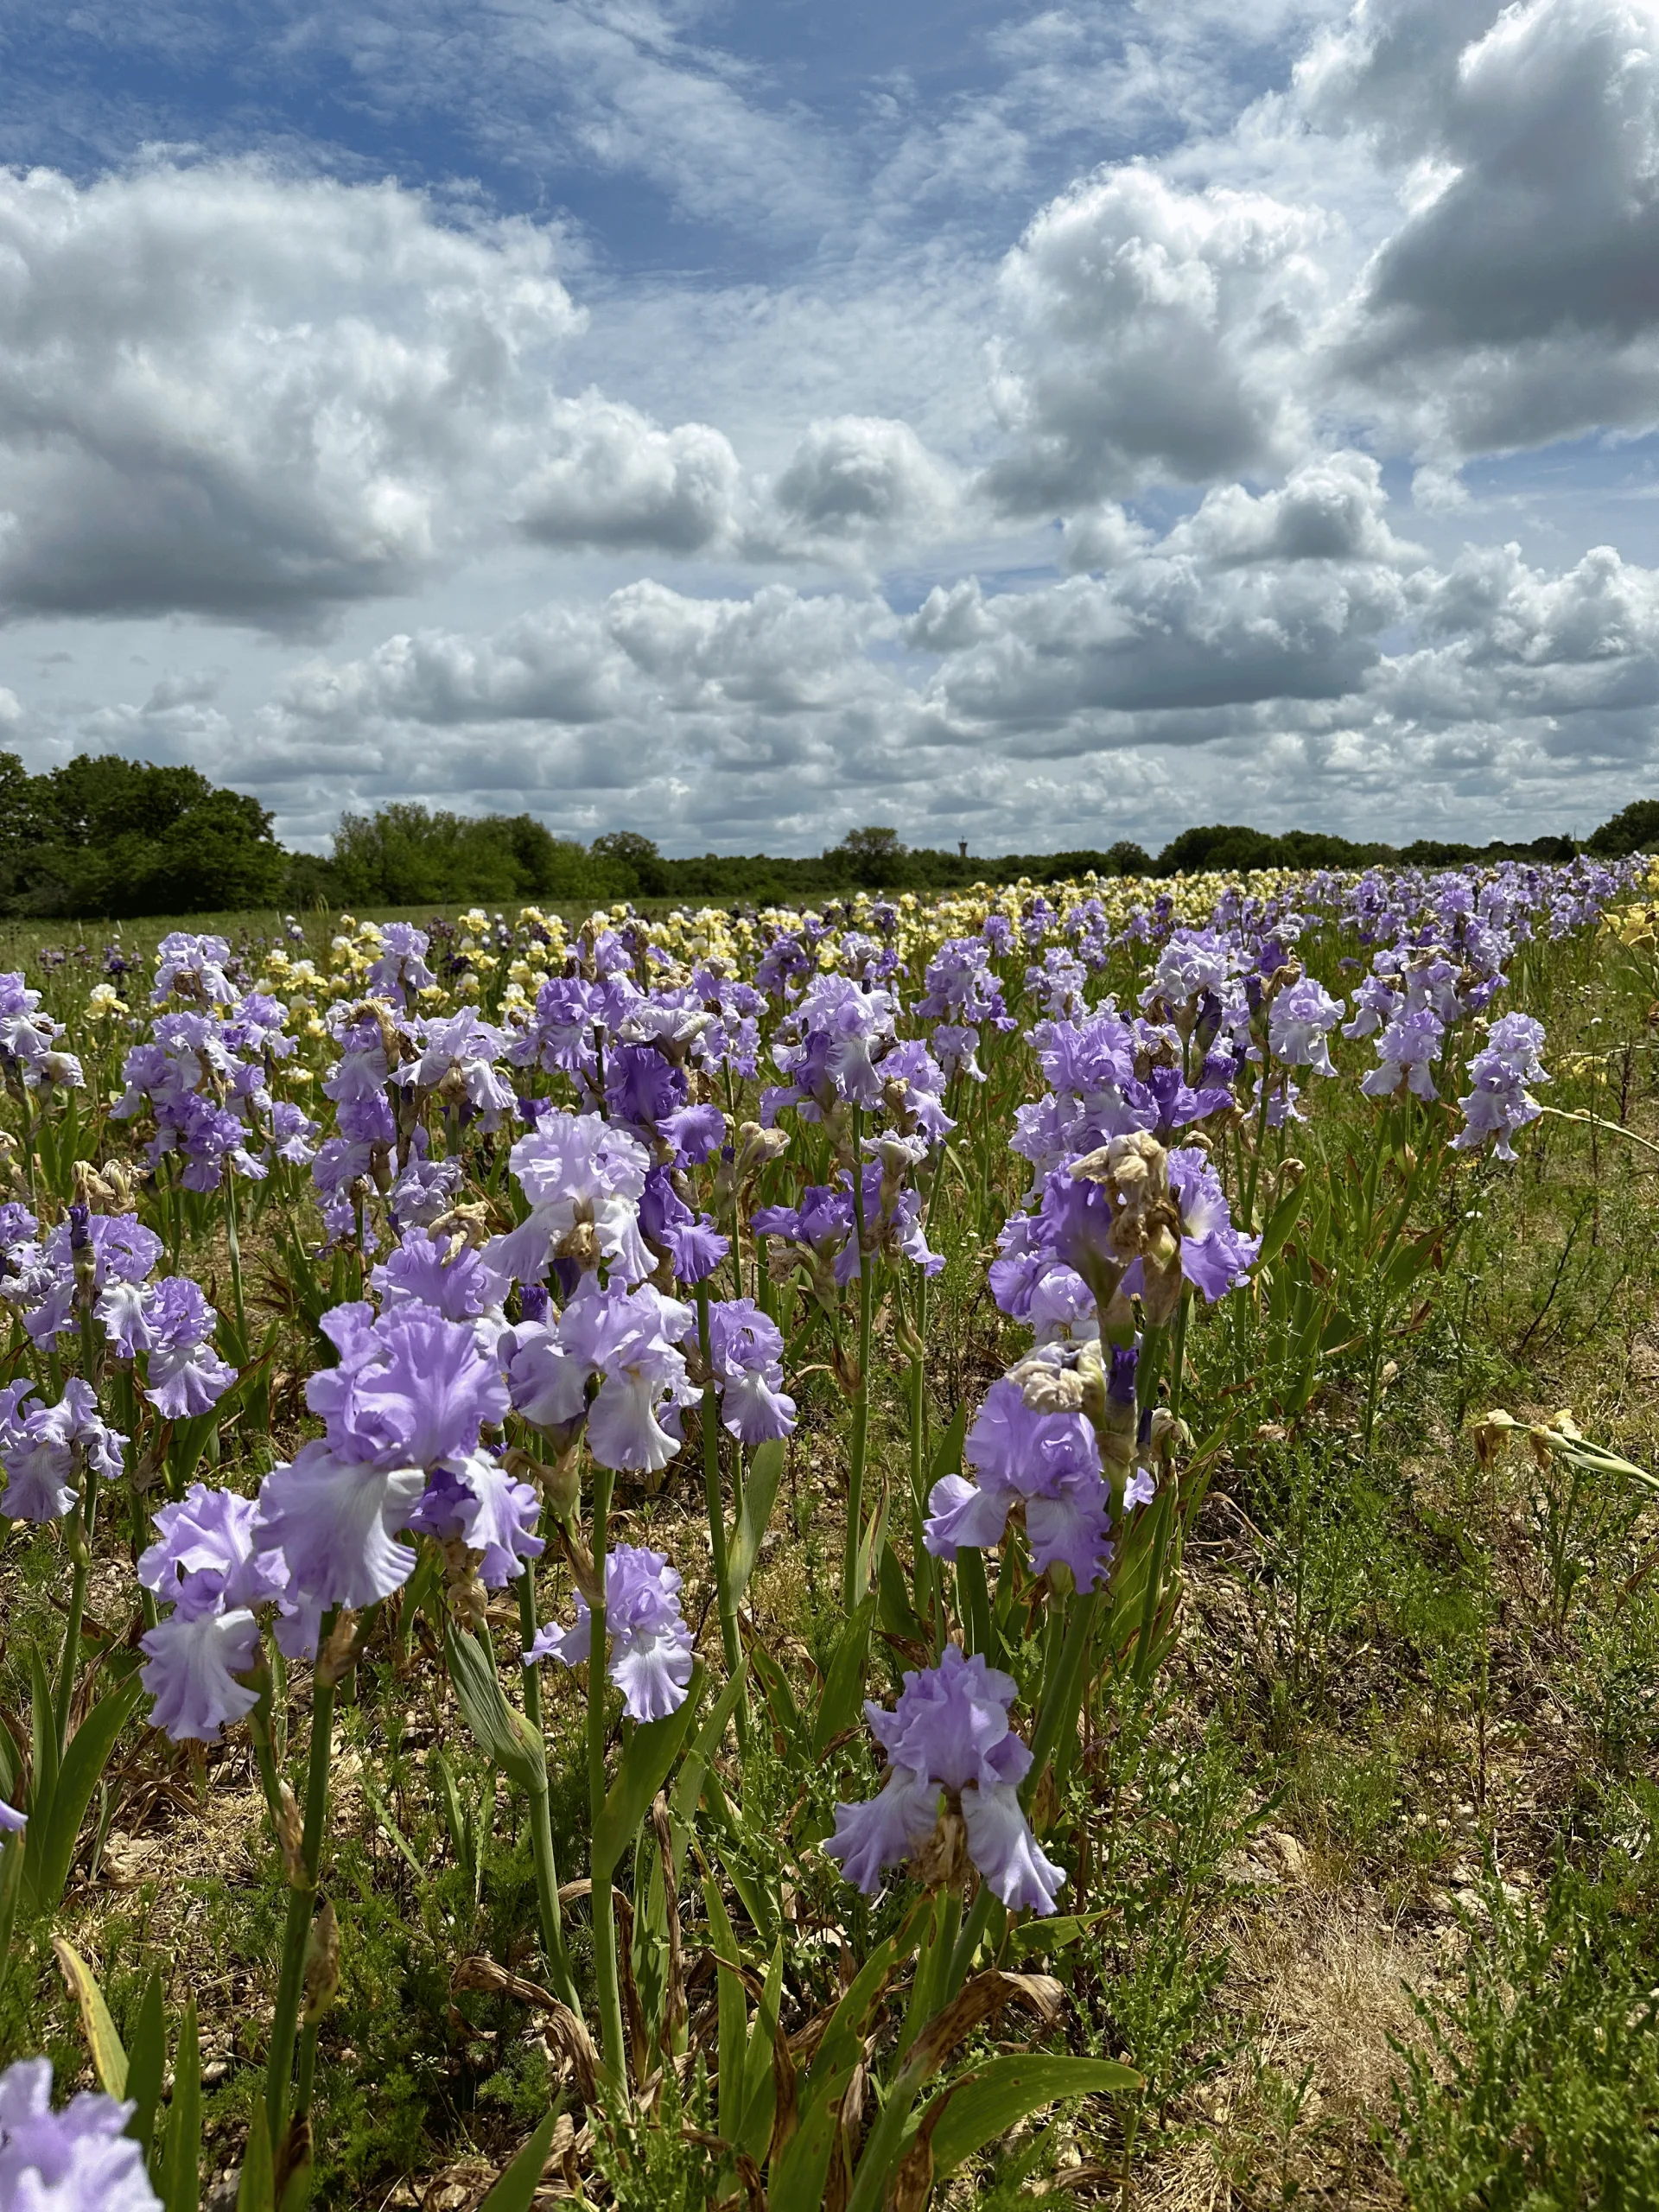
233	1239
851	1592
731	1645
301	1898
81	1526
1261	1144
612	2038
541	1819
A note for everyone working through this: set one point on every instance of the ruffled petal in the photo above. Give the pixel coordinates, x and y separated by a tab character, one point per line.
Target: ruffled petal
191	1672
1007	1854
884	1830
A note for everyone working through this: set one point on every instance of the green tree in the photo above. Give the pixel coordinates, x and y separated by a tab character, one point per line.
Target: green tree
1634	828
870	857
639	856
103	835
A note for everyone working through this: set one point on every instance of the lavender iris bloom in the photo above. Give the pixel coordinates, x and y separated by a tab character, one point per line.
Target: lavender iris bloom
457	1061
1410	1040
584	1181
746	1348
124	1251
1046	1463
1214	1256
828	1048
172	1323
444	1274
1500	1103
41	1449
1300	1019
630	1342
482	1506
402	966
293	1134
205	1562
650	1645
11	1822
76	2160
192	967
409	1395
950	1732
692	1243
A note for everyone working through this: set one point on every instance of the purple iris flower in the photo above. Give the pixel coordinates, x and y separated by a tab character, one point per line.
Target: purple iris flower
950	1732
41	1449
172	1323
1192	962
1047	1463
11	1821
124	1251
79	2159
205	1564
746	1349
956	1047
410	1394
641	1087
1058	985
629	1341
584	1181
293	1134
424	1190
28	1036
961	988
1214	1256
457	1058
411	1389
443	1273
694	1246
913	1067
649	1658
478	1504
401	969
696	1134
829	1047
192	967
1499	1103
1300	1019
1061	1308
570	1013
1410	1040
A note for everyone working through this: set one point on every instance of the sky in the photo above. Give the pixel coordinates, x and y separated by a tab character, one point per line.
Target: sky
742	422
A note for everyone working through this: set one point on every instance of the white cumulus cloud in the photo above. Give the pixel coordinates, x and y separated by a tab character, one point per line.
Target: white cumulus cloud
1156	334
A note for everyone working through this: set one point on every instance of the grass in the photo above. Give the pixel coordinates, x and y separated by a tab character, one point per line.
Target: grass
1370	1887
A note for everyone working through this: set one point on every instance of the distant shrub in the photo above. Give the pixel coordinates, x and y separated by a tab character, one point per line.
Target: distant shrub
406	855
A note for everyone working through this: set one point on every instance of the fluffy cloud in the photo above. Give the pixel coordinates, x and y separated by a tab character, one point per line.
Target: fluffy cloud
778	651
618	480
860	475
254	397
1331	509
223	391
555	665
1156	334
1283	597
1515	305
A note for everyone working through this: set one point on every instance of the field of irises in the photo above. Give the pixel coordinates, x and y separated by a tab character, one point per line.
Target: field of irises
920	1554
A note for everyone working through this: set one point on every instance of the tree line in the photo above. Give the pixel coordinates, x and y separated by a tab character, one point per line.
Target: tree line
105	836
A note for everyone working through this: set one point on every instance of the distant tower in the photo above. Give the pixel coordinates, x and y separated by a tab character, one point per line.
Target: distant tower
962	847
